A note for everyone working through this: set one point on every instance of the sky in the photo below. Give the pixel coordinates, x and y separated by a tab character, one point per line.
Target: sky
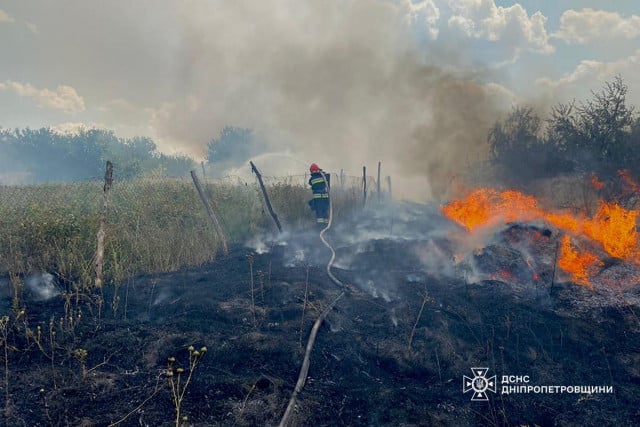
415	84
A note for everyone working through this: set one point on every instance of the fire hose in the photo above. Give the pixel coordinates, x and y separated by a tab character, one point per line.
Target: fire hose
302	378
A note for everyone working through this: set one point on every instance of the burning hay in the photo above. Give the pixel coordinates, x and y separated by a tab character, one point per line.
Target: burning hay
587	246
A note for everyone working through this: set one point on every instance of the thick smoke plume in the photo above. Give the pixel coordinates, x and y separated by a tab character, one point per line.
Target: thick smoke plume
339	82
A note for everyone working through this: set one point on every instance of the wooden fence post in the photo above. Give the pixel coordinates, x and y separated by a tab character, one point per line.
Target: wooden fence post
341	179
266	196
204	173
364	186
106	197
211	213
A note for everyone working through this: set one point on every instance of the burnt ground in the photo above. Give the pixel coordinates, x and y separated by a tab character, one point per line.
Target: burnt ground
404	286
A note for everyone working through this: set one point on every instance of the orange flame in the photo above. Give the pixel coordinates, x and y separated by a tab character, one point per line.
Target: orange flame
487	207
613	227
596	183
579	265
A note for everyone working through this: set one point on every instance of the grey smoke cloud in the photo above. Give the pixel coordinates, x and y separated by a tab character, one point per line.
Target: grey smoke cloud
344	83
339	82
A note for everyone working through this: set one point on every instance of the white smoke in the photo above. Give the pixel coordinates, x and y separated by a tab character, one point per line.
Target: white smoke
42	286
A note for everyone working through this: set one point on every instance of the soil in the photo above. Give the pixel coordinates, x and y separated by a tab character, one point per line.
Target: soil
393	352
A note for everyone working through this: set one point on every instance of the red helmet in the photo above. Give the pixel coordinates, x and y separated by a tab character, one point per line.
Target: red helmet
314	168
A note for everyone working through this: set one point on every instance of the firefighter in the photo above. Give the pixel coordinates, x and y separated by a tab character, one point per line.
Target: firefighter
320	189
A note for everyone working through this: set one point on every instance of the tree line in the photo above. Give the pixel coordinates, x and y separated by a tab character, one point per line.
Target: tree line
44	155
599	136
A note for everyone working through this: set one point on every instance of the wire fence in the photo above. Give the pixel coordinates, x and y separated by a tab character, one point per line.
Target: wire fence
152	224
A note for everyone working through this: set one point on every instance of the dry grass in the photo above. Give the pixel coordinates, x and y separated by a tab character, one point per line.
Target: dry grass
154	225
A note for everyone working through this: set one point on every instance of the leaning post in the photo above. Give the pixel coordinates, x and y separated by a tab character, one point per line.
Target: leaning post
106	198
266	196
212	215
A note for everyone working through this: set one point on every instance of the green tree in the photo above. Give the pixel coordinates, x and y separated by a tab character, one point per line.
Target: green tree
600	135
518	149
596	134
45	155
234	147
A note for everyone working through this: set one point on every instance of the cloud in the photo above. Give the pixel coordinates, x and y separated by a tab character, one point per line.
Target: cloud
5	17
63	98
512	26
590	75
589	25
424	12
502	93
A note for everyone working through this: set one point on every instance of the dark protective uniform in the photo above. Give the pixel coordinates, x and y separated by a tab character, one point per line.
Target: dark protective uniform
320	202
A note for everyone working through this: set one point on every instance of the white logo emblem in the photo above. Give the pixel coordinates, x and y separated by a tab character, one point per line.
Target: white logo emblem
479	384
